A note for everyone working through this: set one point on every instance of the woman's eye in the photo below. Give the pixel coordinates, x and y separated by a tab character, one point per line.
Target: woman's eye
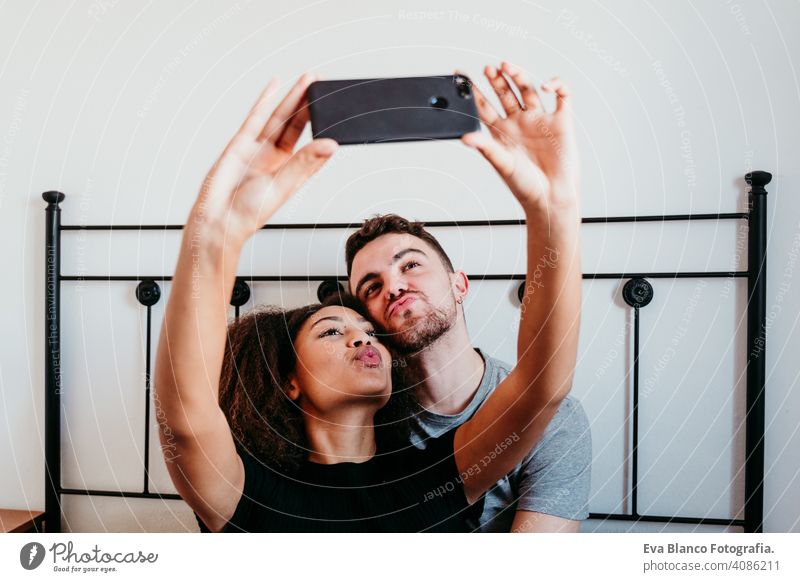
329	332
372	332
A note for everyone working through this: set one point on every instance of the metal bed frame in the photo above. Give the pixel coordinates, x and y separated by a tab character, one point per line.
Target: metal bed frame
637	293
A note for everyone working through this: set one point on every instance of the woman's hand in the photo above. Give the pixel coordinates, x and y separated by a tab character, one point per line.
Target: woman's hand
534	151
259	169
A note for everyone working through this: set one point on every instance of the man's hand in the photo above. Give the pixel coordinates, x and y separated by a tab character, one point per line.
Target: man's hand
259	169
534	151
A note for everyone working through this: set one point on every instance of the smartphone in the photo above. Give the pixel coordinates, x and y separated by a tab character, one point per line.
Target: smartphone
359	111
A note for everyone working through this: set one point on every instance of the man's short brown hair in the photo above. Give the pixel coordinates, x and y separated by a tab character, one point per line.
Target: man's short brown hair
381	224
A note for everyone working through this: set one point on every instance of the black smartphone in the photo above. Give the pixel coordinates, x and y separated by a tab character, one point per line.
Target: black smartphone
359	111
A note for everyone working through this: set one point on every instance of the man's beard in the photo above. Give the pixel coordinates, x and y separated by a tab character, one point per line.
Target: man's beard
422	330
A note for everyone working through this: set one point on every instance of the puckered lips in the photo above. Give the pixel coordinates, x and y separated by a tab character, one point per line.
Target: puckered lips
368	357
401	303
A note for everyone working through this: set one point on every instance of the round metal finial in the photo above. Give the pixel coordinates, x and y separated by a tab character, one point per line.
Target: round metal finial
327	288
637	292
757	180
148	292
241	293
53	196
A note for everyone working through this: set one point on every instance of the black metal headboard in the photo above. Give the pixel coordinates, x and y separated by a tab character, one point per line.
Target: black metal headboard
637	293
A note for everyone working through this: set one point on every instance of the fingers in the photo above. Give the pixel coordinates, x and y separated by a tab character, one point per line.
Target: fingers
274	127
530	98
486	110
503	89
563	94
496	154
294	127
304	164
260	112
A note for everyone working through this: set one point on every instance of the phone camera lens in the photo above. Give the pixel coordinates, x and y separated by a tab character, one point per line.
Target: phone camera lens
463	86
438	102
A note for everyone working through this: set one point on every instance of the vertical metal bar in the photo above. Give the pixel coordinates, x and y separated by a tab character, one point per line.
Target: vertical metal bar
147	408
637	293
52	376
147	293
756	351
635	468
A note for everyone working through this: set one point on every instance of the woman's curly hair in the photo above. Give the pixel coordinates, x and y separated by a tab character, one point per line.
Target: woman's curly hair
259	359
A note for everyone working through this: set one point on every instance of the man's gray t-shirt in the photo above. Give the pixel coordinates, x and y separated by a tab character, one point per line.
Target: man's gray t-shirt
554	478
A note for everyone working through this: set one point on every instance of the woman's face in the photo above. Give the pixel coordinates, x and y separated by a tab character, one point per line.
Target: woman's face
340	363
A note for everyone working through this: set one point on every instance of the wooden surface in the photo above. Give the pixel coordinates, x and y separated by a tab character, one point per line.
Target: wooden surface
20	520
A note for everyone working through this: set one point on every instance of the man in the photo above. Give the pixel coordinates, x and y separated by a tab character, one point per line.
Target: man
410	288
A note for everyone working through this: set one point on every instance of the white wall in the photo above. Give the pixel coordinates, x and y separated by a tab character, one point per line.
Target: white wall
123	106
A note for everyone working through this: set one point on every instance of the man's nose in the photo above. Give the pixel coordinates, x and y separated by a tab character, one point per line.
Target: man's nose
395	286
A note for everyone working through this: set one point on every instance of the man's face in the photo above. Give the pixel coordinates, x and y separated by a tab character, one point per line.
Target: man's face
407	289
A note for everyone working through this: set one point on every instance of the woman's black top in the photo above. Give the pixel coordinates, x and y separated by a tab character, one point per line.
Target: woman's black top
407	490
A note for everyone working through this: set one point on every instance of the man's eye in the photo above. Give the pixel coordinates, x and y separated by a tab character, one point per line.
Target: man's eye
330	331
410	265
372	332
370	289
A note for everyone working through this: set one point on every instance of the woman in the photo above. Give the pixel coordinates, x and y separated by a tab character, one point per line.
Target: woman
323	375
300	390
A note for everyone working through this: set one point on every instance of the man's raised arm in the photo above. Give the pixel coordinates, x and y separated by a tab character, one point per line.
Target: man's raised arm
535	153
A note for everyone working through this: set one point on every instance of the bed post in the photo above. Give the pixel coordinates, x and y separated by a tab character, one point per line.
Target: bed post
756	356
52	376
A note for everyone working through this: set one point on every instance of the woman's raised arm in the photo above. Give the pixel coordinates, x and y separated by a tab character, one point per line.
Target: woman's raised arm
258	171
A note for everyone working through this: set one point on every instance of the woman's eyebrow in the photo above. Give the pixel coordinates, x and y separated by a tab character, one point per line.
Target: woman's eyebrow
321	319
361	320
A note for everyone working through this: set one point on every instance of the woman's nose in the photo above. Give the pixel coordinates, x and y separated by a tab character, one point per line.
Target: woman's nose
360	339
